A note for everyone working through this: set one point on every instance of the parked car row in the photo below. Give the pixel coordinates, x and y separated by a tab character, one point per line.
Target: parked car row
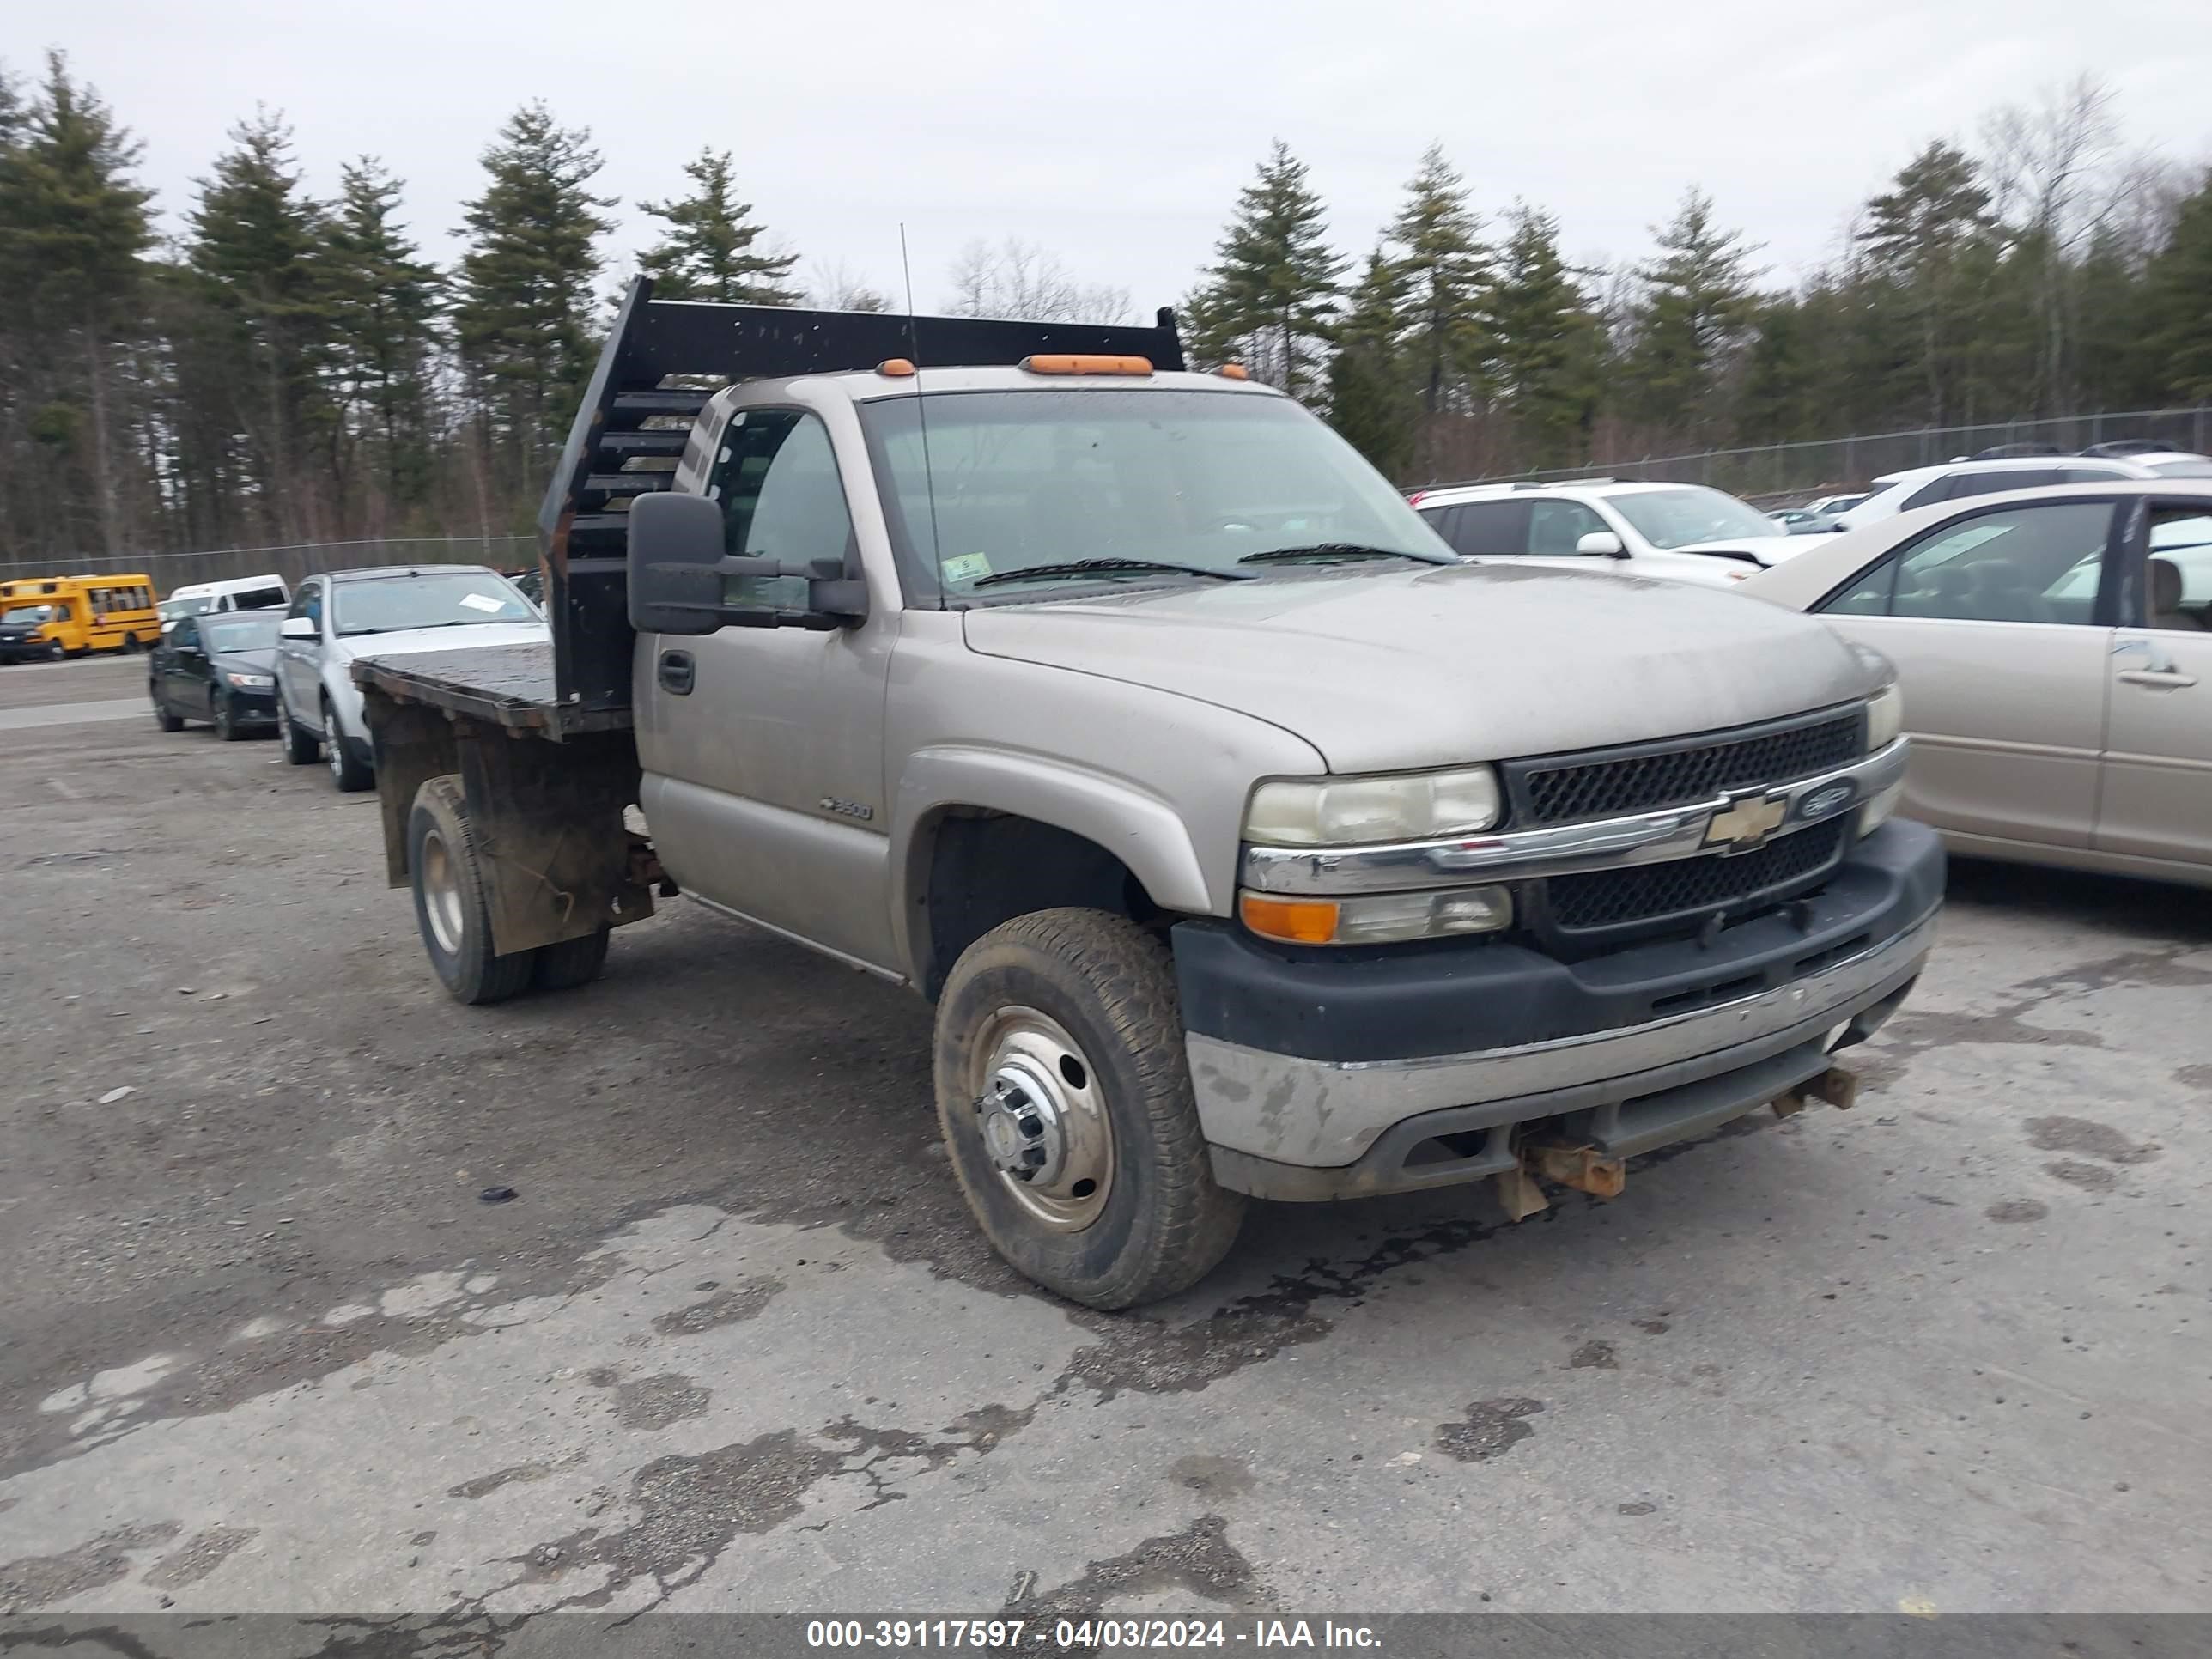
1676	533
2003	467
258	669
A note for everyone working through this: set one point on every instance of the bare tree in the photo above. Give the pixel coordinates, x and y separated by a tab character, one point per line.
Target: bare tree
2054	166
836	286
1020	280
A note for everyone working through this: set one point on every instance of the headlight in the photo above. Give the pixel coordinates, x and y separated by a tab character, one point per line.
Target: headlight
1346	811
1377	918
250	682
1885	717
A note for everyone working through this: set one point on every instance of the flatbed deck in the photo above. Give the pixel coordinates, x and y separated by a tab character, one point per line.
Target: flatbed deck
509	685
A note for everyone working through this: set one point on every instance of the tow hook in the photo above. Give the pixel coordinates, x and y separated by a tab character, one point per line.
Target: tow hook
1582	1168
1839	1086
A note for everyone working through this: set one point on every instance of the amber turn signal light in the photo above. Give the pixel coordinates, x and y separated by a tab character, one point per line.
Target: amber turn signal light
1078	362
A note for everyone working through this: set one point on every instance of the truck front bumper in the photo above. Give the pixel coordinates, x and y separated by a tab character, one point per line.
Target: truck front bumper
1347	1074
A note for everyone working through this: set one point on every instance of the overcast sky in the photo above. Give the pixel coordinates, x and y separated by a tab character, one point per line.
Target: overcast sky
1117	136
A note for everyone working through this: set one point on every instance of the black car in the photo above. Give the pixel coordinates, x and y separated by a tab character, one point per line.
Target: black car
19	638
220	668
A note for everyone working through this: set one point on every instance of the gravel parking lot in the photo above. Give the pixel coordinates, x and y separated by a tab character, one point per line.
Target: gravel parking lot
734	1345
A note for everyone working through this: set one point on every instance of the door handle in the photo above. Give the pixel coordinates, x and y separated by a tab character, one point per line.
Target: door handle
2166	679
677	672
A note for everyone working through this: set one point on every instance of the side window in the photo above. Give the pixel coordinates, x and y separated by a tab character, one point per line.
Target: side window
185	635
776	479
1935	491
1554	527
1444	521
2026	564
2181	570
1491	529
308	603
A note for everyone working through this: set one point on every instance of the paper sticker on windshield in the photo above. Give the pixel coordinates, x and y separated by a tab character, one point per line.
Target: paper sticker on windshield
483	602
966	567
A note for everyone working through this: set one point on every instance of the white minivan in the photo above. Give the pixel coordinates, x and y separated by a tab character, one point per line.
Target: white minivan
240	593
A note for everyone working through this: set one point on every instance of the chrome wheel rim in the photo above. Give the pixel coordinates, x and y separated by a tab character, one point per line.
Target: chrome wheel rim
441	892
1040	1117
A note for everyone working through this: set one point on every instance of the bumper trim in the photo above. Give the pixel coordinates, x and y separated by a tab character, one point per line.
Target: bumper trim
1323	1116
1675	832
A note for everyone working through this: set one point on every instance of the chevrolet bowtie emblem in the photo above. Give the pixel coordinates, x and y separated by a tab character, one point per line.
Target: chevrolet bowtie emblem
1746	822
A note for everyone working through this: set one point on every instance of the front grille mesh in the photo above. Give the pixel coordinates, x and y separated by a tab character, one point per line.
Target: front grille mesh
1653	892
1644	783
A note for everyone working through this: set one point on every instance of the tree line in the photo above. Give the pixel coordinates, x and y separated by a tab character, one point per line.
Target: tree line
288	365
2046	271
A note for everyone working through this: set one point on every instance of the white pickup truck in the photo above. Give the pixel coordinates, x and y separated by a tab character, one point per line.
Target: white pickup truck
1246	842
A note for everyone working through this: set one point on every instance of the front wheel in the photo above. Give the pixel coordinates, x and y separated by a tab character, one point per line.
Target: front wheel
162	717
300	747
346	769
564	965
226	719
1065	1099
132	645
452	906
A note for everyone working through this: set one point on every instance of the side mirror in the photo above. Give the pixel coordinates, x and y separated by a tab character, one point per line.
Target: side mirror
678	575
1601	545
295	628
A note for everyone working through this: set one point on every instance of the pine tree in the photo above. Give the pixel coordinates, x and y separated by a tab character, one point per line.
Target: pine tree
1447	274
1696	302
1269	298
74	231
708	252
1917	236
523	313
255	238
2178	300
1371	403
1548	343
382	301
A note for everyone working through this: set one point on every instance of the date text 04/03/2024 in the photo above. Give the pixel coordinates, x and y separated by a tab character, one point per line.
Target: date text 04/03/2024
1001	1634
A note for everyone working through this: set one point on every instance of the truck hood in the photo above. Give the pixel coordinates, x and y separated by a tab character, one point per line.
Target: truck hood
1383	670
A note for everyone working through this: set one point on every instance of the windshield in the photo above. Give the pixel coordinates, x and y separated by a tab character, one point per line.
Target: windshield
31	615
255	633
1026	479
1679	518
199	605
454	599
2181	466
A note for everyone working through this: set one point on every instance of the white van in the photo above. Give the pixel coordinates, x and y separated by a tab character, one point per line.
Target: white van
241	594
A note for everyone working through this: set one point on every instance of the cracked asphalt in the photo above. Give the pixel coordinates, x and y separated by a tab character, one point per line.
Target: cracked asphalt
734	1346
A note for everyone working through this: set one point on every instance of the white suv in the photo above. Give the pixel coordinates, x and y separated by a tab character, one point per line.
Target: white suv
1924	486
1679	533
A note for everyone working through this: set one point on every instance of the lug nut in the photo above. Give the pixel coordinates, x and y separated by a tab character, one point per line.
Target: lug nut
1034	1157
1031	1125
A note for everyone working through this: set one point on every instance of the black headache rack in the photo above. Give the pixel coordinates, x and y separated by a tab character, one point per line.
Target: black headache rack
663	362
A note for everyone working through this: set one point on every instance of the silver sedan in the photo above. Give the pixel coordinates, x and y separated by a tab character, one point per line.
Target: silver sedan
2054	648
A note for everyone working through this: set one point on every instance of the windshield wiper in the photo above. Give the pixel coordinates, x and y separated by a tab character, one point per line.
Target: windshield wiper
1090	567
1329	550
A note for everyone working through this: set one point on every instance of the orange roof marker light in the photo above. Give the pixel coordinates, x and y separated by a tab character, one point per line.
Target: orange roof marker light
1234	371
897	368
1079	362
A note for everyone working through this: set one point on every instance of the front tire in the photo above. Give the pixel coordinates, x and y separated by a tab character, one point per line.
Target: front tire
162	717
1059	1052
347	771
226	719
300	747
452	909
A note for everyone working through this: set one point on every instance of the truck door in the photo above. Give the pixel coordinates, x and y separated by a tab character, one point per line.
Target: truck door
763	747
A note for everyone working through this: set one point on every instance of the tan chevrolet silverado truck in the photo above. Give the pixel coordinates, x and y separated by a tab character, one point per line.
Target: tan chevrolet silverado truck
1247	841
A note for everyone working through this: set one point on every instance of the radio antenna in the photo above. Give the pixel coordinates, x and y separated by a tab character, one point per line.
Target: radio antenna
921	415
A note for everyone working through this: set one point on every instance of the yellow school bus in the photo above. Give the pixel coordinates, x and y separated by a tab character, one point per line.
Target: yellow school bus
74	615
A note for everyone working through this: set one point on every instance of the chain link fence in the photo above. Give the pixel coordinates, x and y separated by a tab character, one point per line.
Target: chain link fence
171	571
1770	475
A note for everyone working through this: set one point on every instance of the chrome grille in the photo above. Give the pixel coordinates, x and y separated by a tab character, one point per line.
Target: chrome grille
1567	788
